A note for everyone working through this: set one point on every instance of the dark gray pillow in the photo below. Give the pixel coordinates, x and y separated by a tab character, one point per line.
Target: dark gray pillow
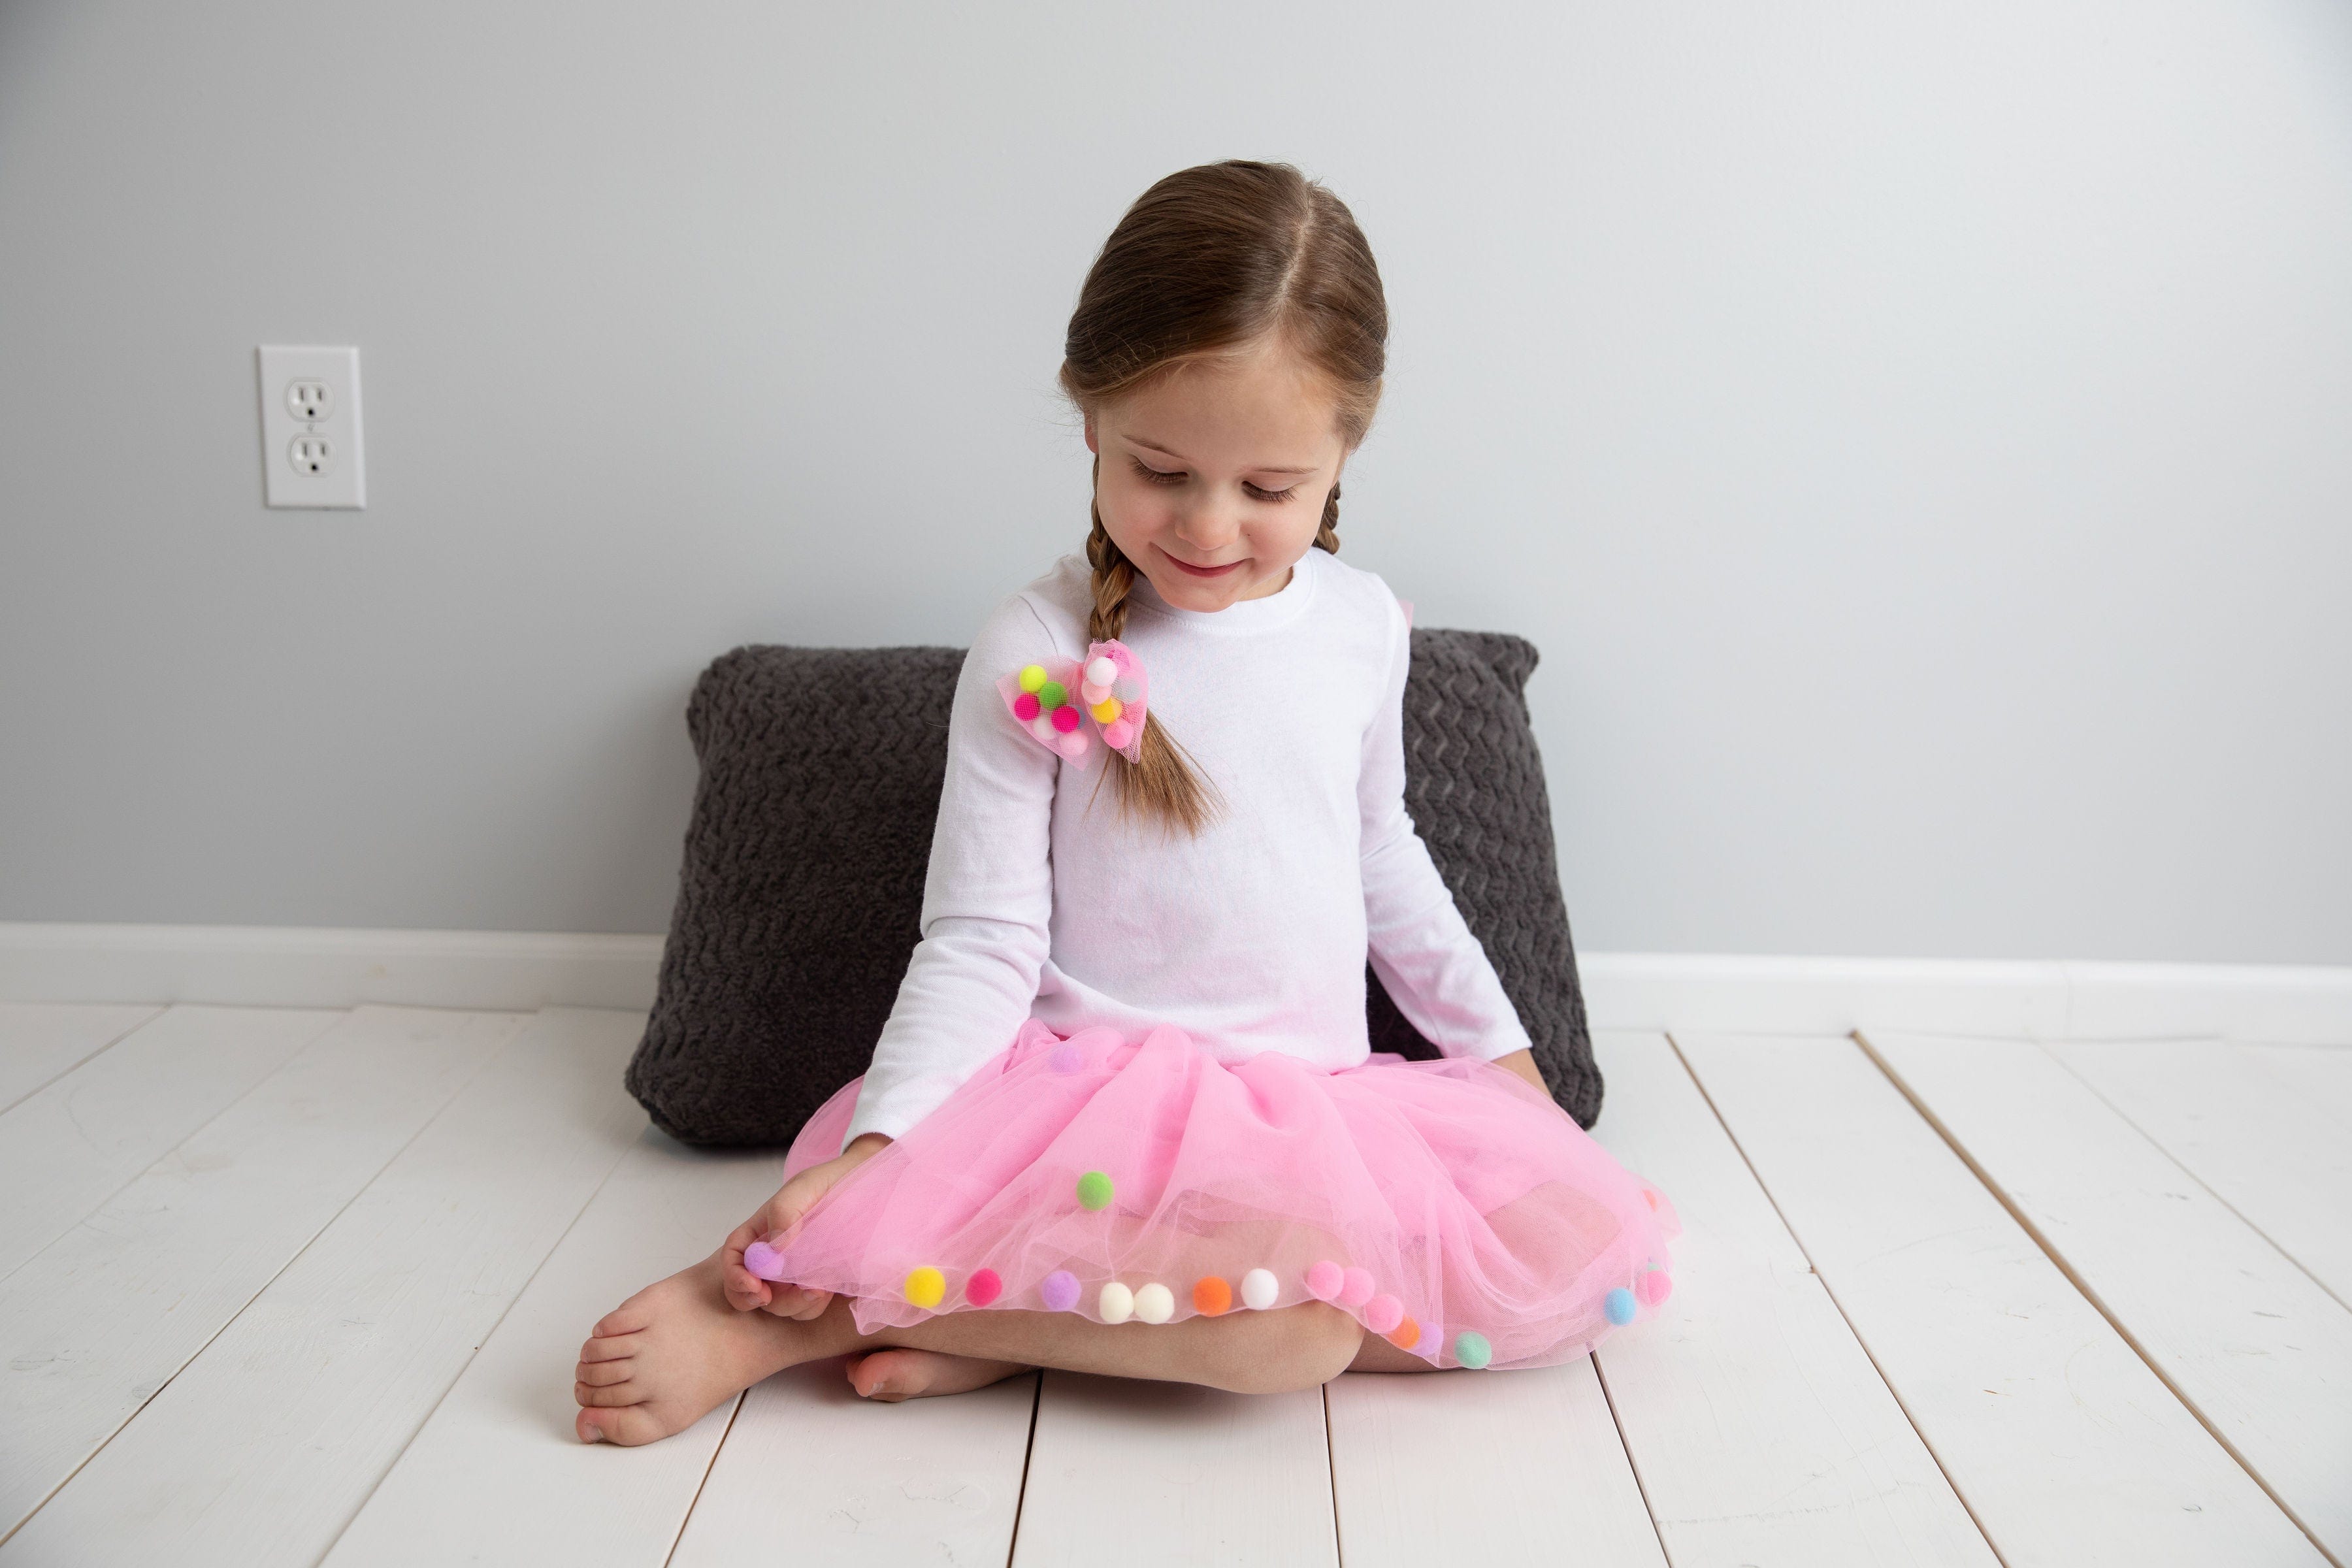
802	884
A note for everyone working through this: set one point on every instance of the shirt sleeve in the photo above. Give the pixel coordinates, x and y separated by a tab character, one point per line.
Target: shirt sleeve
1424	952
988	898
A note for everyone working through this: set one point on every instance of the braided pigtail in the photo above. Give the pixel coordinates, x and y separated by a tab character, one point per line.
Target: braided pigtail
1326	535
1163	782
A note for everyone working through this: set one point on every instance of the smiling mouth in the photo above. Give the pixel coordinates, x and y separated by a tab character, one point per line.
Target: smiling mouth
1193	571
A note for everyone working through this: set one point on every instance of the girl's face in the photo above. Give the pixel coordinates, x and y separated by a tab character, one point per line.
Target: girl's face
1213	479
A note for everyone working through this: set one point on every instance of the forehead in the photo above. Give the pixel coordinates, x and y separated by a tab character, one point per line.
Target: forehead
1263	407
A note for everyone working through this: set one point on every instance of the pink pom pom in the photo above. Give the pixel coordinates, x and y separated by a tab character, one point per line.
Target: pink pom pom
1024	706
1065	719
984	1286
1323	1280
1355	1288
1094	694
1382	1313
1073	746
1118	734
1653	1287
760	1259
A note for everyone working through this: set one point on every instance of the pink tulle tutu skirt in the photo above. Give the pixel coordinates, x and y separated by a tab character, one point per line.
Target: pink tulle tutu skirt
1445	1205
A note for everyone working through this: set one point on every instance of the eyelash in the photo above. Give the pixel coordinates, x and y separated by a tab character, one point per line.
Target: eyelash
1156	476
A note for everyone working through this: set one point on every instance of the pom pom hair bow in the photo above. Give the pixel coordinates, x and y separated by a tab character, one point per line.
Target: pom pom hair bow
1066	705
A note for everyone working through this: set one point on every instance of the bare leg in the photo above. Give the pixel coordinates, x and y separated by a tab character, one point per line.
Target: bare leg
675	1349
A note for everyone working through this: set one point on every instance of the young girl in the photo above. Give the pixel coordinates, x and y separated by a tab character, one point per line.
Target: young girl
1124	1118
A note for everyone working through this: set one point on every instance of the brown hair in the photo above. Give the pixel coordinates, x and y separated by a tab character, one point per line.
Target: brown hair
1209	263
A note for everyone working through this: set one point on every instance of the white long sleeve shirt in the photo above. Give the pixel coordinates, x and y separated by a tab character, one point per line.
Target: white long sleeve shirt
1044	901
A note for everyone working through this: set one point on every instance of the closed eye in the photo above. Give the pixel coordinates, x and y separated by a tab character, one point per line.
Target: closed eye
1179	477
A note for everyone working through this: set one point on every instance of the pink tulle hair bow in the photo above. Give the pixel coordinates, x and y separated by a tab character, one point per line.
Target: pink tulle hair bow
1066	704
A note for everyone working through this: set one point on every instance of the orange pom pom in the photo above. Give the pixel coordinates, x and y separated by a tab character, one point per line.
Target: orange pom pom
1211	1297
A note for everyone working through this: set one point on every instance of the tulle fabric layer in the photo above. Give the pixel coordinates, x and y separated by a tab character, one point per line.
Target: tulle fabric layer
1445	1205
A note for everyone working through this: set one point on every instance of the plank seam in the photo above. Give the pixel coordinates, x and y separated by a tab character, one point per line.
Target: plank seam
155	1013
487	1334
259	1290
1028	1451
1631	1462
741	1395
1331	1475
2157	1143
1844	1316
2098	1303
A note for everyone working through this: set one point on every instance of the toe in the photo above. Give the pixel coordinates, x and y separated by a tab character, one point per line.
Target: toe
601	1374
612	1348
616	1393
628	1318
626	1427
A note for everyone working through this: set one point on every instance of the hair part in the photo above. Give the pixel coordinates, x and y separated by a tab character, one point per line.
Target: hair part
1212	262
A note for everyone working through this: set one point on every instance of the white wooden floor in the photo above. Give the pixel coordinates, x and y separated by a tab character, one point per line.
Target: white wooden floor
286	1287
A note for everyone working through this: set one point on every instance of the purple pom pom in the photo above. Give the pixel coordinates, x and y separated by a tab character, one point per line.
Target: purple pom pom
1060	1290
760	1259
1067	1057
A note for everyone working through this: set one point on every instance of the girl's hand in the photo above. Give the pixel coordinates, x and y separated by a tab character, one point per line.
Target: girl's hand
745	1289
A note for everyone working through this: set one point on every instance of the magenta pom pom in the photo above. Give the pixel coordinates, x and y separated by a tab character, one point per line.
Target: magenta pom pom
1653	1287
1024	706
1382	1313
1066	1057
1355	1288
1060	1290
984	1286
1065	719
760	1259
1324	1280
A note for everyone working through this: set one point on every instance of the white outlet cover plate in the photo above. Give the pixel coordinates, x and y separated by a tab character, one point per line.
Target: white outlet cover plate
292	475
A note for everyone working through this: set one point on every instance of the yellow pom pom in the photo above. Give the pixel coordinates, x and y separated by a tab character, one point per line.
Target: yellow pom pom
1032	676
925	1287
1106	710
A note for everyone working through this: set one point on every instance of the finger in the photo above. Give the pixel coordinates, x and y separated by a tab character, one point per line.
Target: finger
814	1303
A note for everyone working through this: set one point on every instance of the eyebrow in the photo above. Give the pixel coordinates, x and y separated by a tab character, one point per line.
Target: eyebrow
1255	467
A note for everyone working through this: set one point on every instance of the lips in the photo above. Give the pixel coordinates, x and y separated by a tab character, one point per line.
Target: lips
1193	571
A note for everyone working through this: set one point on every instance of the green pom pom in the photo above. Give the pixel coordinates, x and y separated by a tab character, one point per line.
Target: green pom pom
1471	1350
1093	1190
1052	695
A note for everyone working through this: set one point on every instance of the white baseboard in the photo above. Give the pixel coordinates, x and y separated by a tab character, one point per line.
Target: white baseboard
298	966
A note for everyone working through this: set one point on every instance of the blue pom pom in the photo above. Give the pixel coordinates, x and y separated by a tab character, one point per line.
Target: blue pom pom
1619	1305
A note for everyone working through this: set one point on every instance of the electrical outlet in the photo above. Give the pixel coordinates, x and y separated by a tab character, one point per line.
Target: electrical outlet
311	449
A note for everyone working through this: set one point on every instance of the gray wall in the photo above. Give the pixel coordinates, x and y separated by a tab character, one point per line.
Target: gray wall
1919	438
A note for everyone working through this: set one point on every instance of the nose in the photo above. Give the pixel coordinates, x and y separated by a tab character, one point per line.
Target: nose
1208	528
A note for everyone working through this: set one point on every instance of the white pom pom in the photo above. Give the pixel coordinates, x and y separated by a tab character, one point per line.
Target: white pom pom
1259	1288
1117	1303
1102	671
1043	728
1154	1304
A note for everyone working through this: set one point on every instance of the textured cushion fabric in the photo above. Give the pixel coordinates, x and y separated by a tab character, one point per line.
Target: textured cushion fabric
802	890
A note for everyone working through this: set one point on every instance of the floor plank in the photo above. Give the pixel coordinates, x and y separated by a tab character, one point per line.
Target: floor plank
2262	1140
105	1316
1153	1474
2250	1340
1756	1422
41	1041
496	1476
811	1472
2067	1449
69	1147
1501	1467
261	1451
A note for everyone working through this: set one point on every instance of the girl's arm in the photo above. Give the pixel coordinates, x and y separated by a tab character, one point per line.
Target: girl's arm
1434	968
987	899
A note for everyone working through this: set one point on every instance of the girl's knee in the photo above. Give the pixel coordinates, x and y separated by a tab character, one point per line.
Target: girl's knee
1298	1347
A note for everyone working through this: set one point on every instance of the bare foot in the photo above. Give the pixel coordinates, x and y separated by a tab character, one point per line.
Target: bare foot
894	1375
664	1357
